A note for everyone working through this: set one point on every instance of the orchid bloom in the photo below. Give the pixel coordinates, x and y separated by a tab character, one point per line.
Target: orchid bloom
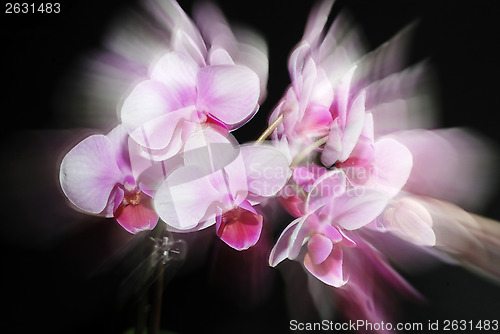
219	184
159	113
318	100
332	209
305	106
98	178
190	86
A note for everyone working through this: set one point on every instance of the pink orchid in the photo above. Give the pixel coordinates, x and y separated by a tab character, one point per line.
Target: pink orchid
219	184
160	113
192	86
321	67
97	177
331	209
305	106
347	127
303	179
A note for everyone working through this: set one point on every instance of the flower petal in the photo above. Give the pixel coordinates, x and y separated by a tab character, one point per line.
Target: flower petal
136	218
319	247
89	173
219	56
391	166
182	201
178	73
267	169
240	228
324	191
410	221
353	127
158	133
149	100
329	271
357	207
228	92
281	249
214	154
333	145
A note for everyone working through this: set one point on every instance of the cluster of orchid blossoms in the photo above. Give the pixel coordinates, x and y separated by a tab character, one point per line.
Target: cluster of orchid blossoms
341	153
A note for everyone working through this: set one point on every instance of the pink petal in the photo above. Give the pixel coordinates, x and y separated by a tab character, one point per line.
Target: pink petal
333	145
463	164
317	119
317	20
158	132
185	35
183	200
353	127
324	191
341	104
305	225
240	228
308	78
291	202
174	146
138	217
89	173
267	169
322	93
410	221
190	44
219	157
228	92
148	100
119	139
289	108
357	207
394	163
296	64
332	233
220	57
329	271
178	73
389	170
253	54
362	153
281	249
319	247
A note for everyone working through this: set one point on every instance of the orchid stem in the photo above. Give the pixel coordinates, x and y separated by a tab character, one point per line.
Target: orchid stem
155	319
157	293
149	307
302	155
269	130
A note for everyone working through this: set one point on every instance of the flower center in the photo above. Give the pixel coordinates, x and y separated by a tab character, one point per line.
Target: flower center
133	198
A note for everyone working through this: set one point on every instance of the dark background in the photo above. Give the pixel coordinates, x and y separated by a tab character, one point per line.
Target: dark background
57	274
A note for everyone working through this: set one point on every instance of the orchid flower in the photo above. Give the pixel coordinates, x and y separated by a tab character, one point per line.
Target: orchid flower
318	100
219	184
190	86
159	113
98	178
332	208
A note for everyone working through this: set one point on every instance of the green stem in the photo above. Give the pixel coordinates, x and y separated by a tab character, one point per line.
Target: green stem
155	316
269	130
303	154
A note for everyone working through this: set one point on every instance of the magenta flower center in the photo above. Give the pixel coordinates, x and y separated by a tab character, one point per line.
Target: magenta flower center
132	198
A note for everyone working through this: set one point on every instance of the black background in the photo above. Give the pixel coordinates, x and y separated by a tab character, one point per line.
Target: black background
53	258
